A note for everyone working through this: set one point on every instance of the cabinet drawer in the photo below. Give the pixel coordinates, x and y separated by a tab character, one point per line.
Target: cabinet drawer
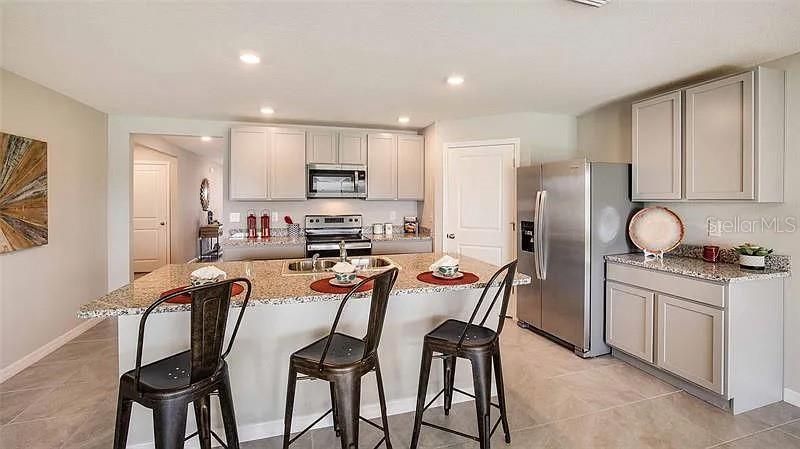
700	291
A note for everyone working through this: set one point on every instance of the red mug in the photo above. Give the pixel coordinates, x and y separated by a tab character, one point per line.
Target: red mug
710	253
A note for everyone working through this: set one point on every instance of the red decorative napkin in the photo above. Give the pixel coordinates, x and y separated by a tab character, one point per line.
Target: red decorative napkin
427	276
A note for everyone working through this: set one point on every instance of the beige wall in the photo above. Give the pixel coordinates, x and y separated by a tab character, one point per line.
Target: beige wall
604	135
187	170
543	137
42	288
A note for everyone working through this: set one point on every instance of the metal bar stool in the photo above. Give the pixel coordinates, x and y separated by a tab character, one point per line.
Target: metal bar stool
169	385
480	345
343	360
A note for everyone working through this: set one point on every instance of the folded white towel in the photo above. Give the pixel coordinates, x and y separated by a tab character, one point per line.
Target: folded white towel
209	273
343	267
445	261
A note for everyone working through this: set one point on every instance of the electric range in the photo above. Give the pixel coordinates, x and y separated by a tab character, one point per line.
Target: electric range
325	232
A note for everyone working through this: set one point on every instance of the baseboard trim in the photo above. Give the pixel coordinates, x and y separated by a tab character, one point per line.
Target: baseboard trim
41	352
791	396
269	429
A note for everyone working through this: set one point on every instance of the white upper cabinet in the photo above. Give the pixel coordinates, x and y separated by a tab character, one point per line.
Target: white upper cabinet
321	147
382	166
657	148
267	164
249	164
288	164
410	167
733	141
353	148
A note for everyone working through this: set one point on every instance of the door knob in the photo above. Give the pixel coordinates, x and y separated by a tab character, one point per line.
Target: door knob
451	236
162	223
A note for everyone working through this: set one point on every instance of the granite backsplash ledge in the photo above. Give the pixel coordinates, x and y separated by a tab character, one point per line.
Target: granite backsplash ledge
729	255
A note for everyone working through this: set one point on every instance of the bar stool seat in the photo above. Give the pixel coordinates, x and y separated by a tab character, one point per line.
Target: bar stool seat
170	385
344	350
480	345
451	330
342	360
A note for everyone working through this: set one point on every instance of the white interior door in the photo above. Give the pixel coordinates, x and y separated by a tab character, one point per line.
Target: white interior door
479	202
150	216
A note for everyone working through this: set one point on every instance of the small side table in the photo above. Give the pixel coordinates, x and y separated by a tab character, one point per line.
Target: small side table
211	235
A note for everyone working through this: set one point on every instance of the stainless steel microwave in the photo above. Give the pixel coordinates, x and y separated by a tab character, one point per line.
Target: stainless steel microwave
336	181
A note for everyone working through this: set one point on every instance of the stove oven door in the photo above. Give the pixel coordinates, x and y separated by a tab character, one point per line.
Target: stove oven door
331	249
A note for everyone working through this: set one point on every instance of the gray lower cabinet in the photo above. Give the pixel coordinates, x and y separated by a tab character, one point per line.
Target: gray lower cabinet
690	341
264	252
402	246
719	340
629	320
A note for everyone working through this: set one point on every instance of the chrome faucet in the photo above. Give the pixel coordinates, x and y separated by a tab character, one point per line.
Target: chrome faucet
314	261
342	251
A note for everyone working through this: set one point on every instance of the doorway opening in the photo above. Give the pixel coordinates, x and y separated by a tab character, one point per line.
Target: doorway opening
177	197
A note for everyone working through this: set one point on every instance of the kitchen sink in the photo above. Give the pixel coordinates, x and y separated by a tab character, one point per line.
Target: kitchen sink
362	263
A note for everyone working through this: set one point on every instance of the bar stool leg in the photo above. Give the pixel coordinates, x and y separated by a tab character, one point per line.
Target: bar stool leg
382	399
169	423
482	379
228	414
124	406
449	365
287	419
202	415
424	375
335	412
347	391
501	392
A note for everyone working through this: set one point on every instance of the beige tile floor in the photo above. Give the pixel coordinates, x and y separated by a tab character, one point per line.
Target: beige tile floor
556	400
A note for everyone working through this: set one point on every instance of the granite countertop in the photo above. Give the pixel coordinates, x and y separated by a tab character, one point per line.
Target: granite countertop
272	287
242	242
423	234
700	269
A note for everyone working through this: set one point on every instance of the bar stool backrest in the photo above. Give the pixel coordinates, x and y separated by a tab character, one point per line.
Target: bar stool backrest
509	270
381	288
209	318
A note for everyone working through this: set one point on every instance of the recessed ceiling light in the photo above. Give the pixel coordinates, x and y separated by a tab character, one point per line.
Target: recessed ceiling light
206	138
403	119
266	110
455	80
248	57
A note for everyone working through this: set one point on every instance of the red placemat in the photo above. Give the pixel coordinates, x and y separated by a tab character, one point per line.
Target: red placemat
324	286
428	277
187	298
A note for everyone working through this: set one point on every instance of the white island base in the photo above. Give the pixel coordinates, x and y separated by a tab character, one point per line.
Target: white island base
270	333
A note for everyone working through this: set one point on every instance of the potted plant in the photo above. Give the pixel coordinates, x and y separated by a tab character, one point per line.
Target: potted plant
752	256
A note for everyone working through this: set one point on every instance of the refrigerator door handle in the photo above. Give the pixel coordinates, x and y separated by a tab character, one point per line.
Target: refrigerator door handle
536	234
542	241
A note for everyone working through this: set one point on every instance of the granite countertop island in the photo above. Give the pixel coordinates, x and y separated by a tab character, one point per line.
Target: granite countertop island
288	315
700	269
272	286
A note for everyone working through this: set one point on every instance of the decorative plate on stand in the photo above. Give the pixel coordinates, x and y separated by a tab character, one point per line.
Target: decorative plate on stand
656	230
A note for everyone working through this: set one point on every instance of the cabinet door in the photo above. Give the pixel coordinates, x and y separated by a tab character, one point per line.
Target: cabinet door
381	166
629	320
249	164
656	144
352	148
720	139
321	147
410	168
288	164
690	341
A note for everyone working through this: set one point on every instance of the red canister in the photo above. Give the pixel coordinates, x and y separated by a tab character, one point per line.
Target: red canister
710	253
264	223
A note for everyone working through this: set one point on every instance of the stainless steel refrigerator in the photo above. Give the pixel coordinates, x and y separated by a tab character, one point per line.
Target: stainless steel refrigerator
570	214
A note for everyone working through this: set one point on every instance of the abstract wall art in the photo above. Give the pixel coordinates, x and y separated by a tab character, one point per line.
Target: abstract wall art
23	193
